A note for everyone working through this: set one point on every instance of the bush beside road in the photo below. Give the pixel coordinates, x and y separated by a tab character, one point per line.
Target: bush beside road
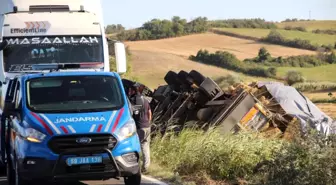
205	158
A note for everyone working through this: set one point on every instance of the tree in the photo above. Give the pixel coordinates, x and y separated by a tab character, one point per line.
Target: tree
114	28
263	55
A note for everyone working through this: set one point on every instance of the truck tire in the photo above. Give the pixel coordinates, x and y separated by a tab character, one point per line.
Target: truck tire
185	78
134	179
197	77
172	80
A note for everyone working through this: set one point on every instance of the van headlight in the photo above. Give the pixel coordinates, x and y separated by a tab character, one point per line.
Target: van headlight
126	131
33	135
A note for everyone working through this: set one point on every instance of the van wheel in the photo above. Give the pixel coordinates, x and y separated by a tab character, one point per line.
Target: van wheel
133	179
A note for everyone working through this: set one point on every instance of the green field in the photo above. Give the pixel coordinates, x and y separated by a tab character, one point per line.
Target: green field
322	73
310	25
289	34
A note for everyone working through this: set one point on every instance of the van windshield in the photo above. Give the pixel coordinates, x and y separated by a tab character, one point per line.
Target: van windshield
22	52
74	94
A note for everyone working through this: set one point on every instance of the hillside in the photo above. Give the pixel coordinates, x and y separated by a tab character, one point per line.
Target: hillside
288	34
190	45
310	25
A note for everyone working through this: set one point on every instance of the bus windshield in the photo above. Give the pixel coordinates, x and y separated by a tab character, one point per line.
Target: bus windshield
74	94
22	52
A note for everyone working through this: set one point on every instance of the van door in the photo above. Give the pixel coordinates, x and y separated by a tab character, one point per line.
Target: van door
4	119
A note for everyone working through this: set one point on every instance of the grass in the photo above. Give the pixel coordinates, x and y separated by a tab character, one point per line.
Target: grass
321	73
288	34
328	108
310	25
243	157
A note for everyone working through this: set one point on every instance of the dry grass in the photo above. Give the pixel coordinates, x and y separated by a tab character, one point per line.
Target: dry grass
319	95
150	67
328	108
190	45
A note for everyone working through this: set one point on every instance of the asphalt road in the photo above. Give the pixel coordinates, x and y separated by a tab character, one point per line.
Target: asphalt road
145	181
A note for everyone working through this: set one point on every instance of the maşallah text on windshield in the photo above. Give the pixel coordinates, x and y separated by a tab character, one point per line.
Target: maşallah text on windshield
52	40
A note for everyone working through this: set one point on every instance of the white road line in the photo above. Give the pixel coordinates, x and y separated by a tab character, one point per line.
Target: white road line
153	180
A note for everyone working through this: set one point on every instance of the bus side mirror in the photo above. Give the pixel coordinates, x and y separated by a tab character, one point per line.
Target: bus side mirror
3	45
120	54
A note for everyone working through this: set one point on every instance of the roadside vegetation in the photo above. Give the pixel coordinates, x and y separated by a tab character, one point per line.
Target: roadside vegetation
245	158
256	66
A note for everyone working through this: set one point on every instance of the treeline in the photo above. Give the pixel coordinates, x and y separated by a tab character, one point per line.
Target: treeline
329	32
275	37
264	58
242	23
296	20
114	28
230	61
159	29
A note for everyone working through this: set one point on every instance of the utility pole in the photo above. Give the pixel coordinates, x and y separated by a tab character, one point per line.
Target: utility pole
309	14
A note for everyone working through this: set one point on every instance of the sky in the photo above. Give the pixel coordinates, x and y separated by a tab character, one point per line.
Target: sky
133	13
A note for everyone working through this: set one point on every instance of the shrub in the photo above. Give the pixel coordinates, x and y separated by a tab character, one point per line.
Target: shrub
230	61
275	37
242	23
293	77
226	81
309	161
314	86
329	31
299	28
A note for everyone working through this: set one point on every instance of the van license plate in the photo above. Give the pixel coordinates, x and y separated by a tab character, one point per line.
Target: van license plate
84	160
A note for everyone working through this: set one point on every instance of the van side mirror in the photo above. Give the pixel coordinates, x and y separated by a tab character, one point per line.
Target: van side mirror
120	54
3	45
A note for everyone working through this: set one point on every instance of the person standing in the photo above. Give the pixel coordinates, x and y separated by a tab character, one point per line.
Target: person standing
143	122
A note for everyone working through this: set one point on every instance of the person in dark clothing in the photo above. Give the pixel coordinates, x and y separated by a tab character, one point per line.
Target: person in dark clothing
143	122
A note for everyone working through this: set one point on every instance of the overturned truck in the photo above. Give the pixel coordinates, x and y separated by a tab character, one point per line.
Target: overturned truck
190	99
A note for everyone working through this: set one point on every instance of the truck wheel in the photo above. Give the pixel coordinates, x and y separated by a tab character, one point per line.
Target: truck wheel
197	77
133	180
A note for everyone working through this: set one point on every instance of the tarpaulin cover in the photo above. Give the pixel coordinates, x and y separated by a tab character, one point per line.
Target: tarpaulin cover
296	104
